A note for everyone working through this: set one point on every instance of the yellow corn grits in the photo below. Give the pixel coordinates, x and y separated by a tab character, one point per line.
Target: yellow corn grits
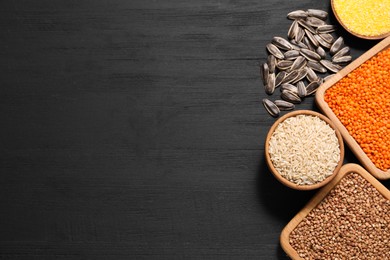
364	17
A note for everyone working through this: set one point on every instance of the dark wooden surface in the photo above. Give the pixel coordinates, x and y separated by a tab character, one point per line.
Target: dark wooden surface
135	130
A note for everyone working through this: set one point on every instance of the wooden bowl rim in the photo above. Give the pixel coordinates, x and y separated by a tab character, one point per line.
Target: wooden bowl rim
277	174
317	199
367	37
323	106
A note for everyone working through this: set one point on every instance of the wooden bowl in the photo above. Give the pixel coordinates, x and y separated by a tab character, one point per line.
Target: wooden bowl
283	180
319	98
317	199
373	37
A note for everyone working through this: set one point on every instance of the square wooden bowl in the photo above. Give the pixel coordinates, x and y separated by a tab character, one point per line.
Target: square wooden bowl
344	171
323	106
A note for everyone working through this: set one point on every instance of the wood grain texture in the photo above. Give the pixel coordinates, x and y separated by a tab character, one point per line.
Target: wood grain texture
135	130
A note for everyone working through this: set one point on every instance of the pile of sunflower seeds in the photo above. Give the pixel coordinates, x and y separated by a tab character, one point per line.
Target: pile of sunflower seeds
294	64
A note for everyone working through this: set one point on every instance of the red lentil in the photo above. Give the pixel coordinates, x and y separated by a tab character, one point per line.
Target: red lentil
361	101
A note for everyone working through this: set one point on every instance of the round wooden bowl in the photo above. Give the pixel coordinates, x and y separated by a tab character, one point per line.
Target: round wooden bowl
277	174
373	37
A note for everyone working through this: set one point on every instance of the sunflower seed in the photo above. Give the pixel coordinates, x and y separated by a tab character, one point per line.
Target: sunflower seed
311	75
264	69
314	21
330	66
309	44
299	44
316	66
271	61
275	51
344	51
291	55
298	14
321	52
310	36
270	87
328	77
279	78
336	46
290	77
301	74
326	28
292	32
341	59
284	105
326	37
299	63
290	97
317	13
281	43
271	108
289	87
301	89
322	42
312	87
310	55
284	64
305	25
300	34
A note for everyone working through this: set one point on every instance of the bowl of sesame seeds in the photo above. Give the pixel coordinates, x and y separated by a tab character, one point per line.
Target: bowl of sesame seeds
367	19
304	150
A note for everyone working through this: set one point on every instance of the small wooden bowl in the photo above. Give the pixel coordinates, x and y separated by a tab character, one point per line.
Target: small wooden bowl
320	100
277	174
317	199
374	37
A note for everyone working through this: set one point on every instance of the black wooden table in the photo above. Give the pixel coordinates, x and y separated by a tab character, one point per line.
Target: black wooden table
135	129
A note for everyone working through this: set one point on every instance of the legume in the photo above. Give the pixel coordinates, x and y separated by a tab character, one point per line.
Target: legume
361	101
351	222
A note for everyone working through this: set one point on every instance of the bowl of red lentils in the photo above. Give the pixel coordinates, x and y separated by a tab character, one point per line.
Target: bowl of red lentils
347	219
367	19
357	100
304	150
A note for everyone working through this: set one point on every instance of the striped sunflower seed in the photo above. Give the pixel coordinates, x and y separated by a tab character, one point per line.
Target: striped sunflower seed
314	21
322	42
344	51
284	64
275	51
341	59
317	13
316	66
291	55
311	37
293	30
270	87
298	14
326	28
302	92
264	69
299	63
279	78
301	74
330	66
290	77
271	107
289	87
321	52
281	43
271	61
290	97
305	25
310	55
312	87
284	105
336	46
311	75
